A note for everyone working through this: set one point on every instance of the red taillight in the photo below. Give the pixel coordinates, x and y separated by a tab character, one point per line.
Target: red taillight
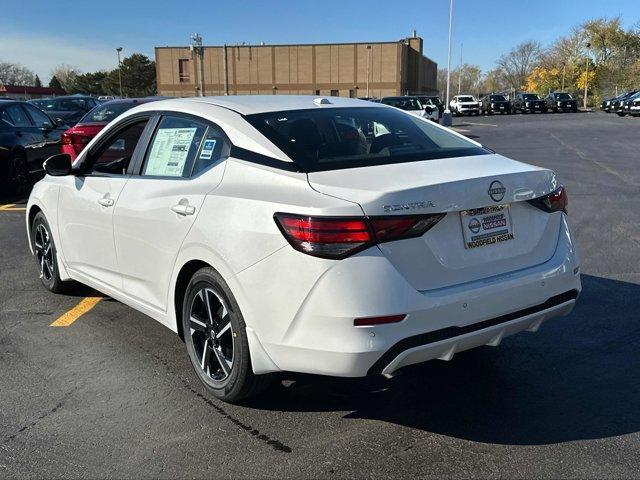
70	137
331	237
556	201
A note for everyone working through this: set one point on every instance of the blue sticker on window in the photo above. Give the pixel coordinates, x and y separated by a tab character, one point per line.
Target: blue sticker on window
207	149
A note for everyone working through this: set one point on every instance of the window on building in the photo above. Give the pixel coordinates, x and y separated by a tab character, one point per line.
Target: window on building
183	70
317	92
334	93
352	93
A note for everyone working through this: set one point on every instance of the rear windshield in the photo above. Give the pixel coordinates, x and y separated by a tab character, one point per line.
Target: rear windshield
63	104
497	98
403	103
106	112
335	138
563	96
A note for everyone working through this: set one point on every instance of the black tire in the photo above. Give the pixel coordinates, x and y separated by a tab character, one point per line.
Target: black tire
620	114
18	174
45	252
214	332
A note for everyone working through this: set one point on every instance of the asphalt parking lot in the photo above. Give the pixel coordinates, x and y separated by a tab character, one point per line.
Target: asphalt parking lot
112	395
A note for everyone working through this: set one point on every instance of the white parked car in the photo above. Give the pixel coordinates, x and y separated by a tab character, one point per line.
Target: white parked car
413	106
464	105
320	235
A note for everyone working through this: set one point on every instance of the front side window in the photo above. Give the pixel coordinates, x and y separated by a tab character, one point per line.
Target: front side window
114	156
38	117
334	138
174	146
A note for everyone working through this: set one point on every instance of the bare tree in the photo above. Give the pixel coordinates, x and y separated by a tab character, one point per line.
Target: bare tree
518	63
15	74
66	75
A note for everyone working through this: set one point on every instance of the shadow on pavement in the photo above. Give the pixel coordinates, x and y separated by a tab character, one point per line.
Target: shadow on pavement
577	378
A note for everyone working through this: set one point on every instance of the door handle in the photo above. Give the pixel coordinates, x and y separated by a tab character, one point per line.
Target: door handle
106	202
184	209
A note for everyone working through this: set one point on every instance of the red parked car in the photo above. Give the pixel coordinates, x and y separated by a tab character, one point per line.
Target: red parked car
76	137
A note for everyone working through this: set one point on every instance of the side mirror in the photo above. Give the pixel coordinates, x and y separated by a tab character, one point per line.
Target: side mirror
59	122
58	165
46	126
430	109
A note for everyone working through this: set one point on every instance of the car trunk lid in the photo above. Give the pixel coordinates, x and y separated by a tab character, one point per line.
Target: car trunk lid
440	258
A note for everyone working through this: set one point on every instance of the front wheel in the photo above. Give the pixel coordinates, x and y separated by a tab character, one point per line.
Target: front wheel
216	339
45	252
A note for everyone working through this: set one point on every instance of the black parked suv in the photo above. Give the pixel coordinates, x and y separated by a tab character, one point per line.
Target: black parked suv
495	103
28	136
528	103
617	105
561	102
631	105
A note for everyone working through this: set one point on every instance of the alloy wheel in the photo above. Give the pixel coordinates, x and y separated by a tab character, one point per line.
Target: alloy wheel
44	252
212	334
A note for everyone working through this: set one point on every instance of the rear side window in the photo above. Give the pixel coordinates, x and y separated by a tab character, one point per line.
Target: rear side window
182	147
18	117
334	138
173	148
215	147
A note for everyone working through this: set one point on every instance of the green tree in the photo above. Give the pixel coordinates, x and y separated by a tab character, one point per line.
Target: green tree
54	82
138	77
37	82
91	83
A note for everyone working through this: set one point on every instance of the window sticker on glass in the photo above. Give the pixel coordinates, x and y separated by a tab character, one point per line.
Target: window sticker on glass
169	152
207	149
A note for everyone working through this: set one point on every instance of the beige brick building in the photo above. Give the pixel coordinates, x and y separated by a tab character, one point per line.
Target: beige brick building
374	69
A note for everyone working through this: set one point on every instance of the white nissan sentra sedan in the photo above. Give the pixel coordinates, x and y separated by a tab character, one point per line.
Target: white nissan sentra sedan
320	235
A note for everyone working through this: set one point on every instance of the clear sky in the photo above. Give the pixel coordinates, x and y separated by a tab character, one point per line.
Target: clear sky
43	33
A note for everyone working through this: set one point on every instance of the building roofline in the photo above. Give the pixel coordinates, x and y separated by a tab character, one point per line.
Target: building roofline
229	45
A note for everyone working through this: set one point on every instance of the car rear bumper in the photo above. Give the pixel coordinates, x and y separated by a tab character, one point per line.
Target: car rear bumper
320	336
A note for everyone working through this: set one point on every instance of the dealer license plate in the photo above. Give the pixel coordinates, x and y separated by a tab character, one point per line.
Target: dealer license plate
486	226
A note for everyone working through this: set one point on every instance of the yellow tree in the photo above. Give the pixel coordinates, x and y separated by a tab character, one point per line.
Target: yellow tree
541	80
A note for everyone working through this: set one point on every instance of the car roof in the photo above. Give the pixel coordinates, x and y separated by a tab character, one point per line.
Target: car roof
250	104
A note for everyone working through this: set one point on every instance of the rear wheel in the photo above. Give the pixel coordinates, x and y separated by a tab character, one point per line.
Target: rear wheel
18	174
45	252
216	339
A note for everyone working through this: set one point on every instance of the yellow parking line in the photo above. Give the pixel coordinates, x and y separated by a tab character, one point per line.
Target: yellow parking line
11	207
76	312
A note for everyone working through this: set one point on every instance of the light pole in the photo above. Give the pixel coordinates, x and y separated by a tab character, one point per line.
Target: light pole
460	71
368	67
586	76
119	49
446	116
